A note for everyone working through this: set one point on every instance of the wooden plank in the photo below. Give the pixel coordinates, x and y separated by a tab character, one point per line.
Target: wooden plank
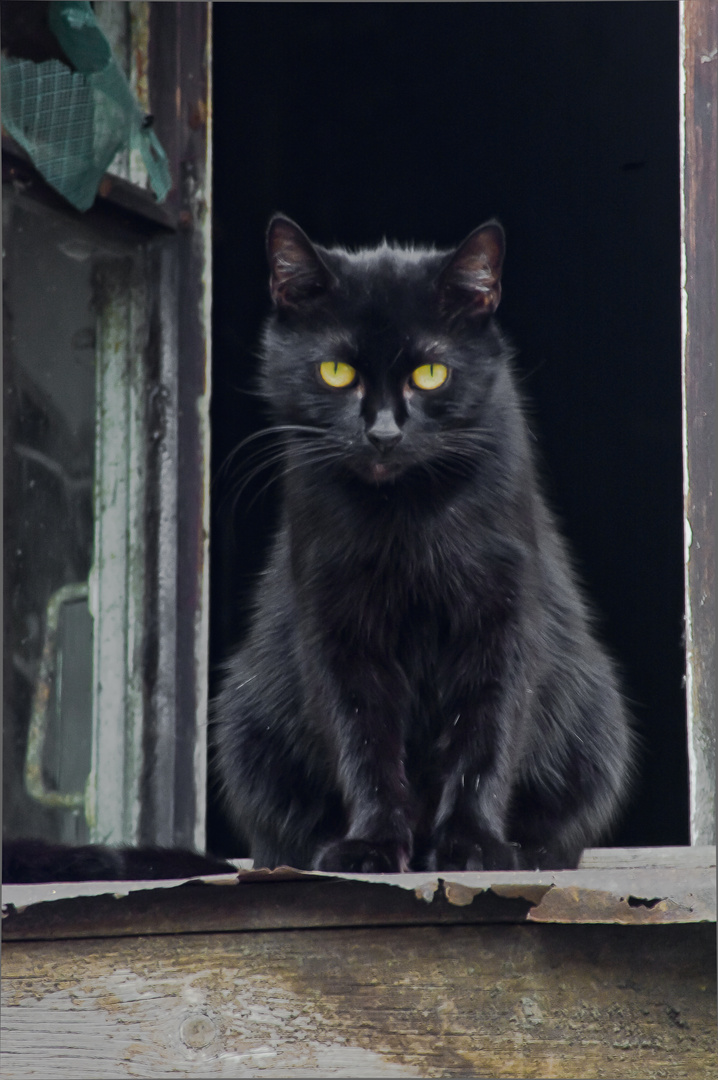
632	896
251	907
688	858
699	104
500	1001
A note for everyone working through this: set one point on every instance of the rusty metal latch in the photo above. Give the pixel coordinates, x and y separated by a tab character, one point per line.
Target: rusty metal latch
40	715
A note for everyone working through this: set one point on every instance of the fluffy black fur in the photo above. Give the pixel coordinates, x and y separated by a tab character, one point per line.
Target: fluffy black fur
421	687
31	861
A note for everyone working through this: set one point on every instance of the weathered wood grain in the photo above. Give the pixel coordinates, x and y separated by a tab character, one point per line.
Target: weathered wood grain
484	1000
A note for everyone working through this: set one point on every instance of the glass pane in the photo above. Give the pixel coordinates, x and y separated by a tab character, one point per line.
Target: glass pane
67	754
57	275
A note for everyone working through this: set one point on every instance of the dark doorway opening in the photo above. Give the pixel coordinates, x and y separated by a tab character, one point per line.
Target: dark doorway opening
419	121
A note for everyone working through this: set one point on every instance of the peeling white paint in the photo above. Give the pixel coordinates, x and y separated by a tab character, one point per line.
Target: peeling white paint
203	214
693	764
116	581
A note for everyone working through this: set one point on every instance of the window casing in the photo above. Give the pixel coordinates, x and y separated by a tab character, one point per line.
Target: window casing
135	499
106	404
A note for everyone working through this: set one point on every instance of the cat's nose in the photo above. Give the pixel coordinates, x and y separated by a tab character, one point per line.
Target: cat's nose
384	433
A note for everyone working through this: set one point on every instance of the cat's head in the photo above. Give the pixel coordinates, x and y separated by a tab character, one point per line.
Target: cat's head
390	355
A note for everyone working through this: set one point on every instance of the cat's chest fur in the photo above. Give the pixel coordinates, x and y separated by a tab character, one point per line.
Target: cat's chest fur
404	574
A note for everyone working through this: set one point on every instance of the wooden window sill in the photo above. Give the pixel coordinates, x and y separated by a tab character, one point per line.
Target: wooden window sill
634	886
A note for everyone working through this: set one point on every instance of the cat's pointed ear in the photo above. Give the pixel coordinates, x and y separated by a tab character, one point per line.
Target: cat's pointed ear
298	274
469	283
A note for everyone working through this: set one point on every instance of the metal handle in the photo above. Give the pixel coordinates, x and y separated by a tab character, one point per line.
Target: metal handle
39	718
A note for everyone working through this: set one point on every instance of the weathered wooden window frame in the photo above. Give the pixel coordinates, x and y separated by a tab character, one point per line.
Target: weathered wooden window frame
148	777
172	737
409	972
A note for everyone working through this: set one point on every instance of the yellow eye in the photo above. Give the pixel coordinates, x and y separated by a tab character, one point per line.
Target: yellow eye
430	376
337	374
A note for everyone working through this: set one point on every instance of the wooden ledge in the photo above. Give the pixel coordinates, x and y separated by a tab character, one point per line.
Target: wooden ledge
297	974
616	886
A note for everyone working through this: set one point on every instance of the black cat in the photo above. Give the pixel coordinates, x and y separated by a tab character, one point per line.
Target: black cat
420	688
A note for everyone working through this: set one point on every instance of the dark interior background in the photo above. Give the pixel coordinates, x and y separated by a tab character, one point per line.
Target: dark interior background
419	121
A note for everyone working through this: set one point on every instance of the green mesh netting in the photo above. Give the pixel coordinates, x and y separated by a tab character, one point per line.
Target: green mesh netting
72	123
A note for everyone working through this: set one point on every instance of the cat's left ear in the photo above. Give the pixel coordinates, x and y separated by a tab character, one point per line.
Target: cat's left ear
298	274
469	283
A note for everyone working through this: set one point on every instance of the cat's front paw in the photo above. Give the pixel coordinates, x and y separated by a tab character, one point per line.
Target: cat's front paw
362	857
454	853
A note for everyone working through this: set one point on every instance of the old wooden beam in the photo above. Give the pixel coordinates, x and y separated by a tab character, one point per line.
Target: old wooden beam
480	1000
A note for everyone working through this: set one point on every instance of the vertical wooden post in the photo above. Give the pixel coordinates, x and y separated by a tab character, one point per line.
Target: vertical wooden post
699	104
180	61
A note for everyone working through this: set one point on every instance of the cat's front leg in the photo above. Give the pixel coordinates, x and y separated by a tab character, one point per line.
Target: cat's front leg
470	833
478	753
379	838
365	721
